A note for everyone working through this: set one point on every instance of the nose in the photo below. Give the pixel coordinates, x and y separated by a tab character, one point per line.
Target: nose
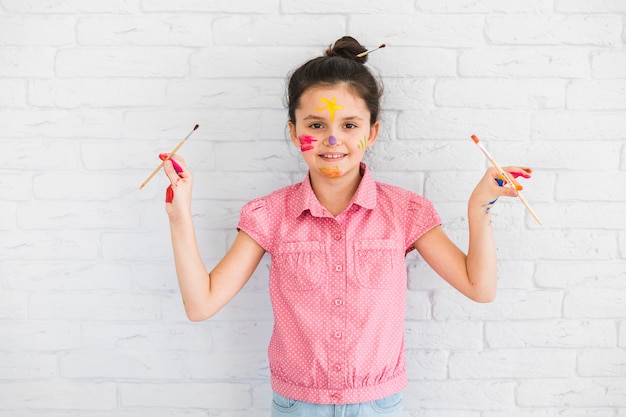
332	141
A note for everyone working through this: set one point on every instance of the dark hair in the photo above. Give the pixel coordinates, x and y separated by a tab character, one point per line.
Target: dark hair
338	65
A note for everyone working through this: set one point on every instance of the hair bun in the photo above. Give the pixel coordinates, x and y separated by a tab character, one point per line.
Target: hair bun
347	47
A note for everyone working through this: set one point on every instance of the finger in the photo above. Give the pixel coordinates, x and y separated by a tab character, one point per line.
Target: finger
176	165
169	194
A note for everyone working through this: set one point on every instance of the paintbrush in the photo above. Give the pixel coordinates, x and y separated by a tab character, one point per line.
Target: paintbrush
362	54
168	157
506	177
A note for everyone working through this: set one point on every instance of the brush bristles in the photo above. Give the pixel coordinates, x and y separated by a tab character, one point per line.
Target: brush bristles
362	54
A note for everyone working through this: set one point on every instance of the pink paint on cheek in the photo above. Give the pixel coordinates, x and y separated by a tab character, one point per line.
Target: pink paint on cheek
306	142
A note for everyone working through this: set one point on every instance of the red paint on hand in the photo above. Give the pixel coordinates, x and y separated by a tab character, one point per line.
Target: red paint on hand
169	194
520	174
177	167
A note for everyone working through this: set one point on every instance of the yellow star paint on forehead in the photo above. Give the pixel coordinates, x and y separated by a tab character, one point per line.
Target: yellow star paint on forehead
331	106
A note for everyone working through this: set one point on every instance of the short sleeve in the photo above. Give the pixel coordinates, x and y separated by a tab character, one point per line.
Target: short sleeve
421	217
254	219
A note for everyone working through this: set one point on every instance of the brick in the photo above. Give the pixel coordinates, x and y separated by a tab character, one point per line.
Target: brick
574	392
554	30
249	61
227	365
602	363
27	155
607	64
580	275
49	245
508	305
414	62
117	365
455	31
231	94
76	123
461	123
156	62
83	216
101	93
37	31
270	31
124	336
243	7
88	306
500	94
364	7
595	186
597	95
148	30
525	62
587	215
460	395
66	276
578	125
594	303
185	395
29	61
39	336
427	365
483	6
13	305
418	305
563	334
518	364
241	336
433	335
582	6
58	395
28	365
71	6
13	93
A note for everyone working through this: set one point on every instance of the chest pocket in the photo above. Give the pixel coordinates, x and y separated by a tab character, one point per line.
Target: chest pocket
298	266
376	262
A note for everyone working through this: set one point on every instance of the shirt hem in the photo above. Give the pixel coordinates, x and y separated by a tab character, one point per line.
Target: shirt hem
342	395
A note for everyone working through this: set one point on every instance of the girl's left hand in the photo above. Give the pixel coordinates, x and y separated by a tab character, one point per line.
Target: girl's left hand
488	189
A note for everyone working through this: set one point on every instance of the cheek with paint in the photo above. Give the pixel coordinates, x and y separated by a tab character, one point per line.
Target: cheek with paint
306	142
331	172
363	144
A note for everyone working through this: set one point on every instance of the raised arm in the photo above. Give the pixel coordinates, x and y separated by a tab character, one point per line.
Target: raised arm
204	293
474	274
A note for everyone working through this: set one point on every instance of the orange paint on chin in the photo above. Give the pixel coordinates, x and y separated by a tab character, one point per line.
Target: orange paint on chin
331	172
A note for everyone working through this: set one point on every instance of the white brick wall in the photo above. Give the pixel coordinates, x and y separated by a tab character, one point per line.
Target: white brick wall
91	322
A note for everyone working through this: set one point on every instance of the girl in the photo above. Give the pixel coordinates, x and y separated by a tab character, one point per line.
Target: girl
338	241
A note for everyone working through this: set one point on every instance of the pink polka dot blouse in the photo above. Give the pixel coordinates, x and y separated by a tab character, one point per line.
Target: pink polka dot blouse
338	288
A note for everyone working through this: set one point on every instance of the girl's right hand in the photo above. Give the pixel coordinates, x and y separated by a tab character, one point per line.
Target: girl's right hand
178	193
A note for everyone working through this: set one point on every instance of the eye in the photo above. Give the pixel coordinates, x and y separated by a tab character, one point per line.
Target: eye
350	126
316	126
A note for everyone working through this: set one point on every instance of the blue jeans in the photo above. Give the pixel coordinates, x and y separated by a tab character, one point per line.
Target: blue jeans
389	407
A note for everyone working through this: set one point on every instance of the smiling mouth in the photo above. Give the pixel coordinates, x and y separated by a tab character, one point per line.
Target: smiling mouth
332	156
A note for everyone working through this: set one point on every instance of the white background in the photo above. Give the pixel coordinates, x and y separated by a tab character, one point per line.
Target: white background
91	91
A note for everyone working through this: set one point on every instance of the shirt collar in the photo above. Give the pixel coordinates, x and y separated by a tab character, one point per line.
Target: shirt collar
365	196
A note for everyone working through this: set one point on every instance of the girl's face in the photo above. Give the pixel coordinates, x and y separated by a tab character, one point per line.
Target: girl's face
333	130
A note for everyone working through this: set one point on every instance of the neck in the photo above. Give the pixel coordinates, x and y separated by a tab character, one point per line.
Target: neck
335	193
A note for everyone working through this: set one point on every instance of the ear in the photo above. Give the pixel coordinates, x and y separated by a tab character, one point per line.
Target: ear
293	135
373	134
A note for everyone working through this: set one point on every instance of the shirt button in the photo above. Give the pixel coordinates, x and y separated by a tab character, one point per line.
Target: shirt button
338	302
337	335
337	236
336	397
338	268
337	368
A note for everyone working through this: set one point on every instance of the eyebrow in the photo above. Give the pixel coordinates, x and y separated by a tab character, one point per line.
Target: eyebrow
314	117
